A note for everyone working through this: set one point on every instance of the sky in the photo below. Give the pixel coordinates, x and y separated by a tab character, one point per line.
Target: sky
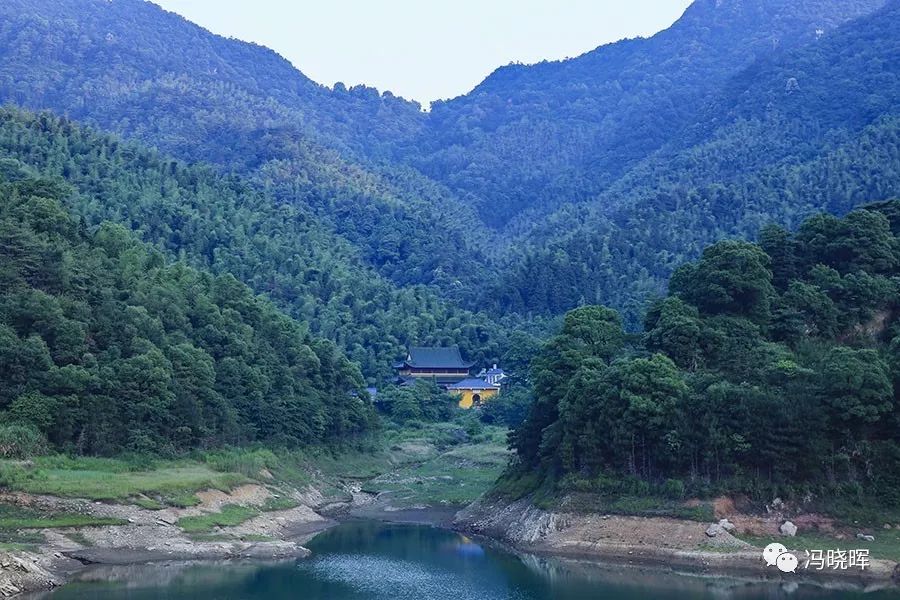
425	50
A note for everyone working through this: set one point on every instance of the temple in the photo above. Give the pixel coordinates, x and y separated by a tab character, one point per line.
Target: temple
446	368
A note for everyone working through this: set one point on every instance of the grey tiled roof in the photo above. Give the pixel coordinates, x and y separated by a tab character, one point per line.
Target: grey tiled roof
421	357
473	383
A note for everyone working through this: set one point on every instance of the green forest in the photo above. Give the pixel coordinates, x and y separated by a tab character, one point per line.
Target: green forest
546	187
227	226
683	248
769	369
98	331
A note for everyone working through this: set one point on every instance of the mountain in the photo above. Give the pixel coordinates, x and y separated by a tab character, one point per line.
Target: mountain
133	68
97	330
530	138
808	129
548	186
227	226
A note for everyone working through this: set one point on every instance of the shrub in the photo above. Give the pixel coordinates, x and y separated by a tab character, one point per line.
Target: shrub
674	489
21	441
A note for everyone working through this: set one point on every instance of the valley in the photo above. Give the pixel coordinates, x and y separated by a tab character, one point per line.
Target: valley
637	307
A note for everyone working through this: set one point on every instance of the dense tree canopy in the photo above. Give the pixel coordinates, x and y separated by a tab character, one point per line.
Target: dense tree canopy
97	331
225	225
737	384
550	186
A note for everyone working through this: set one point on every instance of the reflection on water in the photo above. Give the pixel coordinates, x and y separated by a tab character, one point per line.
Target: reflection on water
370	560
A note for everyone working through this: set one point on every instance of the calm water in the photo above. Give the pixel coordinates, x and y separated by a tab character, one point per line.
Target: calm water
369	560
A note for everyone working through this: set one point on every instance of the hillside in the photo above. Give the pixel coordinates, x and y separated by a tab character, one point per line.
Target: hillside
96	331
135	69
761	153
227	226
546	187
770	370
530	138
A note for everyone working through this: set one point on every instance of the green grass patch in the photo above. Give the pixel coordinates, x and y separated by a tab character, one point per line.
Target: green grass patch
182	499
27	540
650	506
229	516
17	547
285	466
111	479
279	503
456	476
55	521
16	517
853	511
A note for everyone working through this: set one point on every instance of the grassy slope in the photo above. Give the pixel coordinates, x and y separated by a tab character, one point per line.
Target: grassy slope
439	463
115	480
436	463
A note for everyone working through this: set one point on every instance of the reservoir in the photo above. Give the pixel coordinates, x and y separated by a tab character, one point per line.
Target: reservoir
364	560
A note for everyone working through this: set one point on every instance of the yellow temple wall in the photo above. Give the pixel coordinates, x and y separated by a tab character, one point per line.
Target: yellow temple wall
467	397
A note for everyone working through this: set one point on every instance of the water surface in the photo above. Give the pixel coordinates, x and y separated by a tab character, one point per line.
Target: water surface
372	560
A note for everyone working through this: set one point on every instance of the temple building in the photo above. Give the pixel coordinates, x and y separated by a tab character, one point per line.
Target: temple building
446	368
494	375
473	391
443	366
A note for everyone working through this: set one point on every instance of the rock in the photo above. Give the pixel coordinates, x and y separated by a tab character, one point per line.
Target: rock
727	525
866	537
787	528
167	518
887	525
714	530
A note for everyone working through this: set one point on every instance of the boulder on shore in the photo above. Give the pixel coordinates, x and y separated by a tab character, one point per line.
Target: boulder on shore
714	530
787	528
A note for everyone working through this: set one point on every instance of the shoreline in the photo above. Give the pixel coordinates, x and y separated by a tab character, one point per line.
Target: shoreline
661	542
518	526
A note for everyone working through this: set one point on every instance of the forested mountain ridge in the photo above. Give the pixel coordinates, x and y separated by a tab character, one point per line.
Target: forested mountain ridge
534	137
770	370
98	331
813	128
133	68
224	225
601	173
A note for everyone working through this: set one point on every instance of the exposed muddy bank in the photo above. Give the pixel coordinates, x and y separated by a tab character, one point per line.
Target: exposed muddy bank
153	536
657	541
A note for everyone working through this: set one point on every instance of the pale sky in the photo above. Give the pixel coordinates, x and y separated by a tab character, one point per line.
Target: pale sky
425	50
